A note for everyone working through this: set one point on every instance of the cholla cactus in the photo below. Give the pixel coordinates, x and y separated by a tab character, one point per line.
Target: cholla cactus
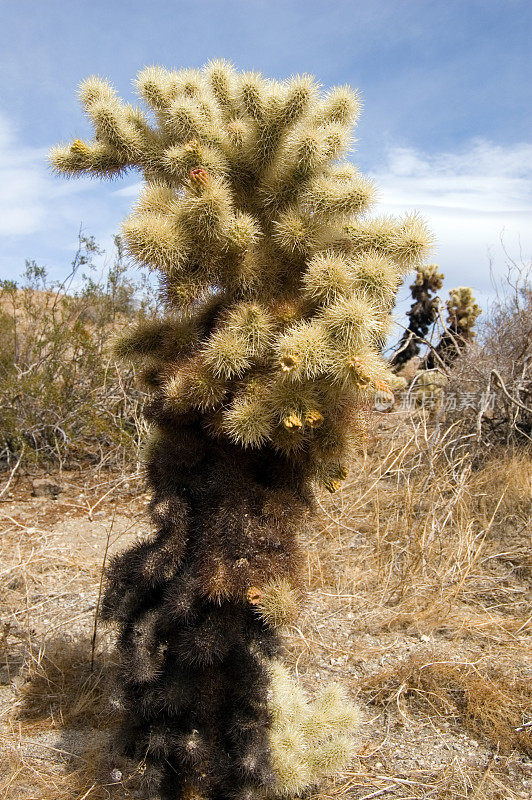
278	290
429	387
462	314
422	313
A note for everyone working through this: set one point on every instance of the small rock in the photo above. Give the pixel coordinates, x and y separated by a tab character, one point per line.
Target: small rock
116	775
46	487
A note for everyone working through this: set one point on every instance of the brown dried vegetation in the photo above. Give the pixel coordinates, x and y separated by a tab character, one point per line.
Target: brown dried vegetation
420	605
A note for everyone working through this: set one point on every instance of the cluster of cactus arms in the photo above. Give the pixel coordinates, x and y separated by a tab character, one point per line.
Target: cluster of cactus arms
422	313
462	314
277	293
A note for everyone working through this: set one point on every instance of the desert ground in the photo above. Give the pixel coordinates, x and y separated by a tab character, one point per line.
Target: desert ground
418	601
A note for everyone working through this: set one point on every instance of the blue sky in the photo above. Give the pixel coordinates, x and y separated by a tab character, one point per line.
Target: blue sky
446	126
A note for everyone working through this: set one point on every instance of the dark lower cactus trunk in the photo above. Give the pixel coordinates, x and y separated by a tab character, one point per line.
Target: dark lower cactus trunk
192	646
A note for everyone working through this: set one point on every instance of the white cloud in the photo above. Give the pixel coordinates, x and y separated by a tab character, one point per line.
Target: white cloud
21	186
40	214
129	191
31	199
469	199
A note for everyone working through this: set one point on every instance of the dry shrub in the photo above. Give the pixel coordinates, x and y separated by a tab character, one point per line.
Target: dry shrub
63	400
496	373
488	700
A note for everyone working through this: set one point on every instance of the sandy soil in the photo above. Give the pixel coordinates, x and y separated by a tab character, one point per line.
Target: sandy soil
58	715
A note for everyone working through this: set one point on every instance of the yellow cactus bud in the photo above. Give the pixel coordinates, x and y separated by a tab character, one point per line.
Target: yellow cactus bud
293	421
78	146
314	418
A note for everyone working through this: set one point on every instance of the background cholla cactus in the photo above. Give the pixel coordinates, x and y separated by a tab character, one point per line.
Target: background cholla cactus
422	313
278	290
462	314
429	386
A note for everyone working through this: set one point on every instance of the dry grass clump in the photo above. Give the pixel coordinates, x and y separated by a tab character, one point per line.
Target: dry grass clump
487	699
59	775
508	472
62	686
57	744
